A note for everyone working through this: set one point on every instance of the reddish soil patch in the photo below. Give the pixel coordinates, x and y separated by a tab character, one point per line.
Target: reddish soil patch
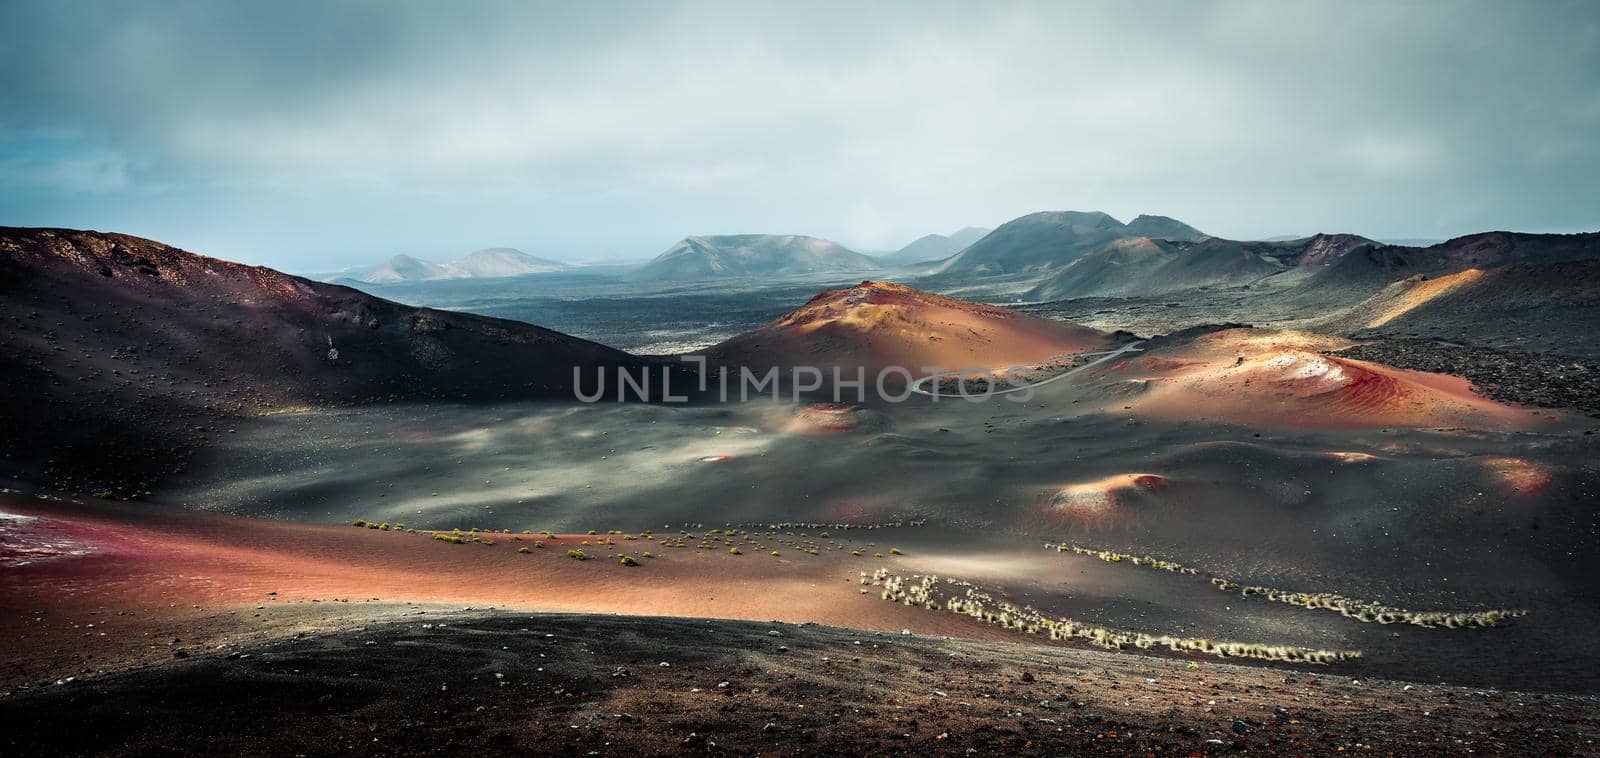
878	324
142	574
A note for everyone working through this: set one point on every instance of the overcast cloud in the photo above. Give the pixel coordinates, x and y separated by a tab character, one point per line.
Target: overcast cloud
312	136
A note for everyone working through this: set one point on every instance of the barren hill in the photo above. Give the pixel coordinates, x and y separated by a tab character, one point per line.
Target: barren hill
935	246
1036	242
1551	307
731	255
122	355
1142	266
879	324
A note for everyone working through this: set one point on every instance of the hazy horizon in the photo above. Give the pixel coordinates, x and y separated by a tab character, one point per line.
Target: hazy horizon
314	137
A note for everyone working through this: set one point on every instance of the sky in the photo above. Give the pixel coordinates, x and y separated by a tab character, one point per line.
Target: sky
313	136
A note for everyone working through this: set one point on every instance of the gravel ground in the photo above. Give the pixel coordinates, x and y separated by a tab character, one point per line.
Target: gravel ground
1546	381
617	685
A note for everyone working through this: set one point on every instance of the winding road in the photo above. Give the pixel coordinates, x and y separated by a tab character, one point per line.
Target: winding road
1131	347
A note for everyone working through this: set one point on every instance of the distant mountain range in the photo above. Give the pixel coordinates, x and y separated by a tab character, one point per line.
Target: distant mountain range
1040	242
491	263
755	255
935	246
1323	263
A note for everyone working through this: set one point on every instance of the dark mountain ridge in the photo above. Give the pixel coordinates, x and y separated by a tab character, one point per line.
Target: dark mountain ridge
122	355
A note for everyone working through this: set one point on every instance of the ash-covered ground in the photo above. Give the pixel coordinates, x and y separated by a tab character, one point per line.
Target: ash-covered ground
608	685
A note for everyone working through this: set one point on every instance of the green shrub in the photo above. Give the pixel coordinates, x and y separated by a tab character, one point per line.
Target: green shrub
523	550
577	555
627	560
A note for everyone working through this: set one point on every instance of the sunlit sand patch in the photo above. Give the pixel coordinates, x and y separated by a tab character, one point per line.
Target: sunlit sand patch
1345	456
471	440
1521	476
1263	340
824	418
1083	499
1421	293
1100	499
286	410
602	469
29	540
416	437
990	566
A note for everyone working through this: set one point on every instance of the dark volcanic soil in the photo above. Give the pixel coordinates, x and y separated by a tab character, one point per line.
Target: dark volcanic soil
1547	381
608	685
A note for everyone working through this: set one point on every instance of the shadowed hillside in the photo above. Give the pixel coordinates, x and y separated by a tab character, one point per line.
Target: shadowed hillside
122	355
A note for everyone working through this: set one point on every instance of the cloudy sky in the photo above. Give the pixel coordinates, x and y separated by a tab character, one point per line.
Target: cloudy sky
312	136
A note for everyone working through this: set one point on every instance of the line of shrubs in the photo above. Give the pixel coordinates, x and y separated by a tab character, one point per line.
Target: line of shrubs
1371	612
901	524
974	602
1113	557
1361	610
